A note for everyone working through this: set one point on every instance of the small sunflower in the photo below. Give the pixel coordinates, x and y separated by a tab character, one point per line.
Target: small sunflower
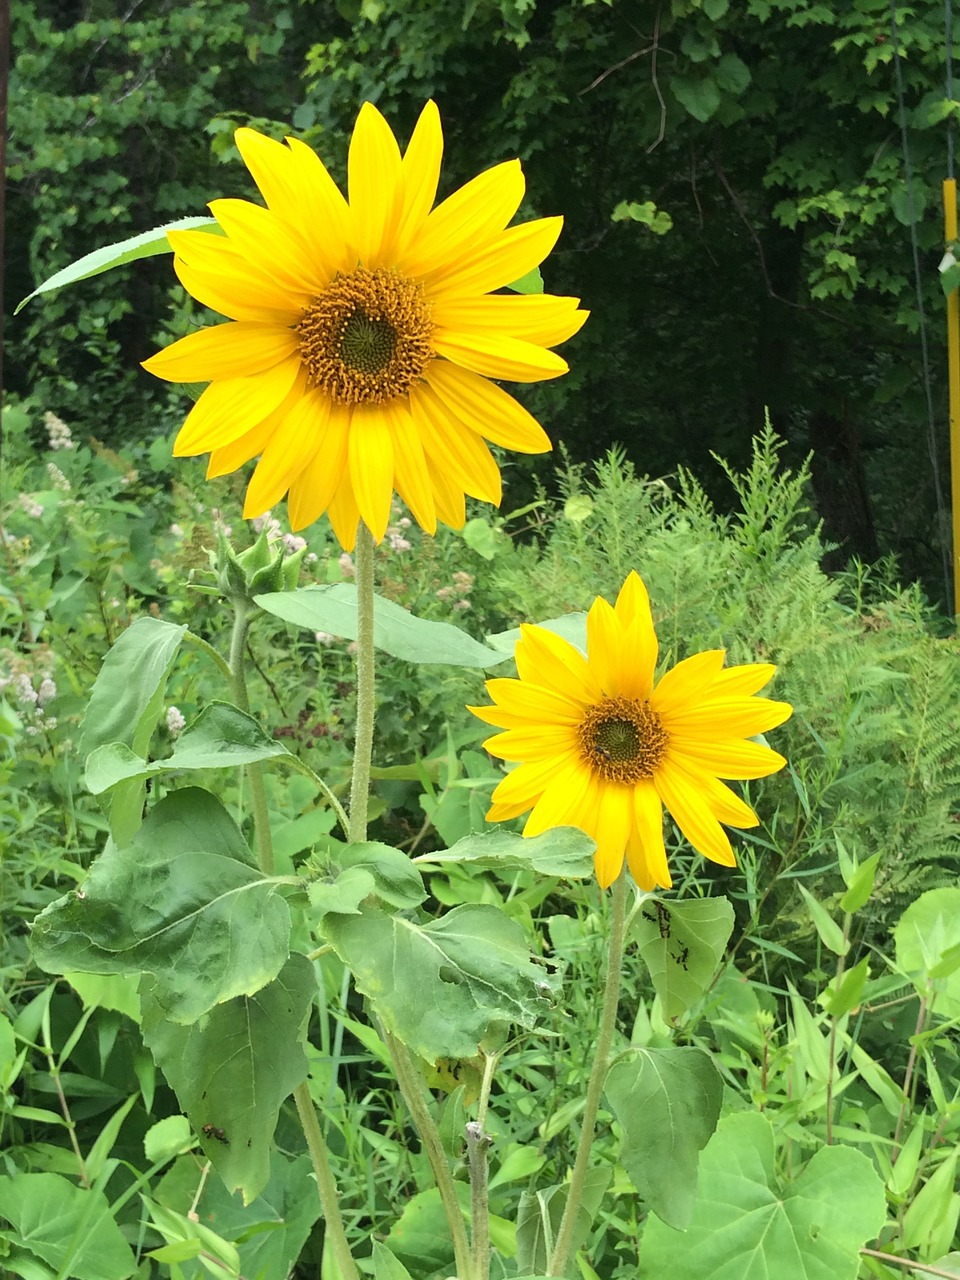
363	332
603	748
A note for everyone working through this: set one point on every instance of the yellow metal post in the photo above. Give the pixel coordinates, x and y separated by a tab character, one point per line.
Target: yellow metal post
953	369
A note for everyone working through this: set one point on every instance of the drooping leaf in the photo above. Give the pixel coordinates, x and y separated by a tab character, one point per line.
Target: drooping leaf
747	1224
183	901
443	986
221	737
681	944
232	1070
563	851
668	1103
69	1228
145	245
396	630
125	704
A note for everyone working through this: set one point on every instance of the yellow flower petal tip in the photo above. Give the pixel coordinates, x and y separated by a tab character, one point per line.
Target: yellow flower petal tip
380	310
601	746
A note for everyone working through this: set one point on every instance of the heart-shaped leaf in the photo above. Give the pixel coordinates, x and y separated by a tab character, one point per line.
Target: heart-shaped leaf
681	944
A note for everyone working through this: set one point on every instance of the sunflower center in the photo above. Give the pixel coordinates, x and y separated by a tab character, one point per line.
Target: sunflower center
622	739
366	338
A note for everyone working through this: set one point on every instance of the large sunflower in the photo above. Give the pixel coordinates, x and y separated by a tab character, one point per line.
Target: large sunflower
603	748
363	333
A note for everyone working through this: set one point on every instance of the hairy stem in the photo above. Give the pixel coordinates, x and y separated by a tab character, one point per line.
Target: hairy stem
258	795
608	1020
366	708
327	1187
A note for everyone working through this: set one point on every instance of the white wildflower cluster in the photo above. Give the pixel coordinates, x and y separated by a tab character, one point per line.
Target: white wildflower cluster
175	722
394	535
30	506
58	432
347	567
292	542
458	591
325	638
57	478
29	692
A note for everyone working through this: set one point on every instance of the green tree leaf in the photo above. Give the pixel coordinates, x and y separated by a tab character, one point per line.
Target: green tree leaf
681	944
145	245
746	1224
221	737
232	1070
183	901
563	851
125	705
698	94
668	1103
443	986
396	630
69	1228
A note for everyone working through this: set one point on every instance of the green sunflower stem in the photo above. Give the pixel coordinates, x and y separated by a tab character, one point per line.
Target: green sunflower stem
608	1021
366	707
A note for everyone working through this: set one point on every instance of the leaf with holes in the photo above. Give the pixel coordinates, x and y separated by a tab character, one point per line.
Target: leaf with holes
681	944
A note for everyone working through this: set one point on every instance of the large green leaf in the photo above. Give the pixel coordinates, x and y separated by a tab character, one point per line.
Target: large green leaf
420	1238
748	1225
681	944
562	851
927	939
571	627
443	986
668	1103
125	705
354	871
145	245
396	631
221	737
233	1069
183	901
67	1227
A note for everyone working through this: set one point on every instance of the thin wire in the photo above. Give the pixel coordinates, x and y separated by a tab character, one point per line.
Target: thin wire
942	522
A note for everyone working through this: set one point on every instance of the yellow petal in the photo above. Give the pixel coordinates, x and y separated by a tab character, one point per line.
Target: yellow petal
237	291
421	173
546	659
370	454
733	759
375	184
228	409
486	408
504	812
646	854
474	214
287	454
726	717
343	513
269	244
499	261
607	864
494	356
564	800
683	684
411	475
521	703
450	445
449	500
536	317
525	784
228	457
604	645
743	680
692	813
313	491
236	350
322	214
638	652
271	167
541	742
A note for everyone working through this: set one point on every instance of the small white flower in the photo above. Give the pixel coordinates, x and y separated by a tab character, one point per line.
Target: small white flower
26	693
175	722
346	565
324	637
46	691
57	478
58	432
294	543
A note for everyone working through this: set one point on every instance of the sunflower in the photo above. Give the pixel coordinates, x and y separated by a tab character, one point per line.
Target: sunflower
363	334
604	748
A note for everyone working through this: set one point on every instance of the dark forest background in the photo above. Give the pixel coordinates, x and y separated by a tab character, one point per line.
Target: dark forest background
732	175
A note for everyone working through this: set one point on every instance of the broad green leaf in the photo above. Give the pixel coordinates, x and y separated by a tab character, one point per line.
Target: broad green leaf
69	1228
699	95
420	1238
386	1266
221	737
831	935
668	1103
748	1225
681	944
839	999
539	1215
117	991
270	1232
532	282
125	705
563	851
394	877
860	885
232	1070
925	937
481	537
145	245
441	987
949	275
167	1138
572	627
519	1165
183	901
396	630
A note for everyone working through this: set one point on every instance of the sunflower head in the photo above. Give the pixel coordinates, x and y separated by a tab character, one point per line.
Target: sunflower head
364	332
601	745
